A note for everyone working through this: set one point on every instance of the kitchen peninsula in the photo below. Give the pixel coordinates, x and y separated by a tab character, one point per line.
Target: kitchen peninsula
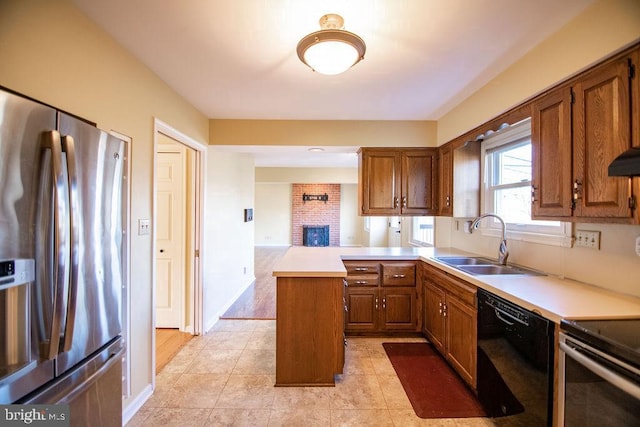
310	303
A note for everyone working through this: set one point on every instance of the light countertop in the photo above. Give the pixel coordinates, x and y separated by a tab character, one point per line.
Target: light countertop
553	297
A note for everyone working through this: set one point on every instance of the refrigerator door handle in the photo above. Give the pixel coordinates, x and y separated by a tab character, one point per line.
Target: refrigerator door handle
51	140
68	147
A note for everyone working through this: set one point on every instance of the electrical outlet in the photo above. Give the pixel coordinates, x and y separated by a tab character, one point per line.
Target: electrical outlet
144	227
588	239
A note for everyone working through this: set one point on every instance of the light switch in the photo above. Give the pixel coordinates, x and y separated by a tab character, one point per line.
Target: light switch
144	227
588	239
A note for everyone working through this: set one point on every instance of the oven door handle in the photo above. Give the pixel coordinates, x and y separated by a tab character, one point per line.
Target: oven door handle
610	376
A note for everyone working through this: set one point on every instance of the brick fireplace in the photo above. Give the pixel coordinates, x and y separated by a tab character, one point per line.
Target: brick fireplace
309	208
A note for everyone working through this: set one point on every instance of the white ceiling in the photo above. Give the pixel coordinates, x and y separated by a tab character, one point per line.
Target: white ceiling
236	59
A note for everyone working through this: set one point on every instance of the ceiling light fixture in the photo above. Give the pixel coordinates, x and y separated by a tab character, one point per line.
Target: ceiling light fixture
332	50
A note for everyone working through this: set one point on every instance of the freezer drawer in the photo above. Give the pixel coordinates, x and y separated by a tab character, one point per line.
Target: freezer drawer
93	390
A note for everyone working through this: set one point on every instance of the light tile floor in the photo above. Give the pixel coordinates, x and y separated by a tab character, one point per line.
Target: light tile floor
226	378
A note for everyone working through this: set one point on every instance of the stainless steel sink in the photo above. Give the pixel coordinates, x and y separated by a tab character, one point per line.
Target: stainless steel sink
497	269
465	260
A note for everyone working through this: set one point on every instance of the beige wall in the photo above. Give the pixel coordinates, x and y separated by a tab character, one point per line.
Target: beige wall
351	225
319	132
50	51
273	203
602	28
605	27
229	241
273	214
308	175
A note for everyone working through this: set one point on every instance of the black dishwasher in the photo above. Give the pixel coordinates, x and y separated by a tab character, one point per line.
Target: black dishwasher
515	362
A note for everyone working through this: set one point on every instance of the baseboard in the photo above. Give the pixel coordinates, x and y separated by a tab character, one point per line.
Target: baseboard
132	408
214	319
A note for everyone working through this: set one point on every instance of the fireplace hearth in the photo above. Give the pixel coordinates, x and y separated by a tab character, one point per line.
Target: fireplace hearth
315	235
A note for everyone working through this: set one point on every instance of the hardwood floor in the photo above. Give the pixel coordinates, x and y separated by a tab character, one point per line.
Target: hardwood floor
168	344
259	300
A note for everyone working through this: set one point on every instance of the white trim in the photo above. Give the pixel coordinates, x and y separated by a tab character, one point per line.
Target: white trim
132	408
126	300
564	240
523	232
197	291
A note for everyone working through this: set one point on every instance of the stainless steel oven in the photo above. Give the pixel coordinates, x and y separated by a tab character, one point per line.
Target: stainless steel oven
599	373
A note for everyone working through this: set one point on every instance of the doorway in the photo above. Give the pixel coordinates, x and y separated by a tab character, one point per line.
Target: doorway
177	237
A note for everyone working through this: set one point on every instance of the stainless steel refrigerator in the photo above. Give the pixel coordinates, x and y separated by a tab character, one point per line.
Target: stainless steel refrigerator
61	258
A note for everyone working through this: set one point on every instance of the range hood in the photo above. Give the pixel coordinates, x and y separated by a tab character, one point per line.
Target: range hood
626	164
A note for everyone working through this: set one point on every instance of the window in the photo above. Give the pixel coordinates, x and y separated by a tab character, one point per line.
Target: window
506	188
422	231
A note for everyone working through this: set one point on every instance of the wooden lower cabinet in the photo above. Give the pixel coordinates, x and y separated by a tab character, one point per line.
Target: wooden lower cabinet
309	330
381	297
362	309
450	320
377	310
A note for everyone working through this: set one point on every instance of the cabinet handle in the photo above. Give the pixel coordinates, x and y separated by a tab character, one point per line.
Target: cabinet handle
361	269
346	309
404	201
384	303
395	202
448	201
345	282
444	310
399	276
361	282
376	303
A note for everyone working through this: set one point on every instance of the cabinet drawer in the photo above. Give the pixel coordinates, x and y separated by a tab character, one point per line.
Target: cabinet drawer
363	280
399	274
362	267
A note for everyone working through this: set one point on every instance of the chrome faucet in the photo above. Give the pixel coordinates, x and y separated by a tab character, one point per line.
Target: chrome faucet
503	253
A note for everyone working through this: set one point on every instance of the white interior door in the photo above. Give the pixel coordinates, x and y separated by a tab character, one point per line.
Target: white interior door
395	232
170	236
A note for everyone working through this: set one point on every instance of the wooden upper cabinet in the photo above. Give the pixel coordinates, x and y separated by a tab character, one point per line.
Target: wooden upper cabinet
459	178
397	181
418	174
602	130
551	142
378	186
576	132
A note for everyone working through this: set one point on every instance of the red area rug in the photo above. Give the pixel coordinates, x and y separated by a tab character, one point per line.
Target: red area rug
433	388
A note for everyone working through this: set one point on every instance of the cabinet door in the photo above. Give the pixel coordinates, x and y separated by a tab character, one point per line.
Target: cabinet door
418	195
461	333
380	182
445	169
399	309
433	318
362	309
602	126
551	141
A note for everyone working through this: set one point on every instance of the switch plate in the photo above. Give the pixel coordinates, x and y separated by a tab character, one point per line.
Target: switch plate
638	245
588	239
144	227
